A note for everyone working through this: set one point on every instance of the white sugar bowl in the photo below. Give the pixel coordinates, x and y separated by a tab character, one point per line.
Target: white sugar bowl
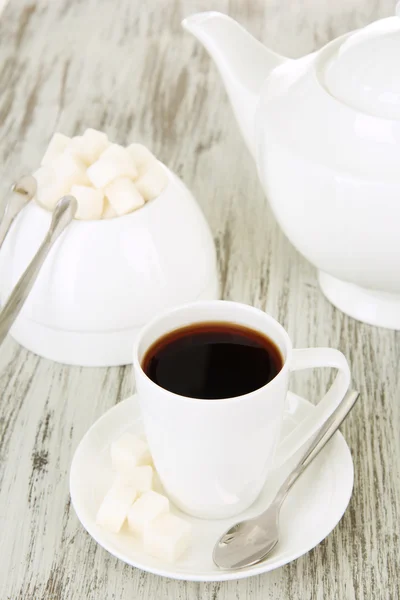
103	280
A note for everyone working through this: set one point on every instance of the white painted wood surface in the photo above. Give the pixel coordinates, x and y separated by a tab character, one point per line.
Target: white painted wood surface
127	67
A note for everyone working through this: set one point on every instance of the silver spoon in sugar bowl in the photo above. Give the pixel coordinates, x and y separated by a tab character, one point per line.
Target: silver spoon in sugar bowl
62	216
251	541
20	194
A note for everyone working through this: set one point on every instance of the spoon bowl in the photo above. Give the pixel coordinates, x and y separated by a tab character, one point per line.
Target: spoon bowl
251	540
248	542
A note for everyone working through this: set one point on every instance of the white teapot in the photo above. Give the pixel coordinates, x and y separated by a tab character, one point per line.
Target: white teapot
325	133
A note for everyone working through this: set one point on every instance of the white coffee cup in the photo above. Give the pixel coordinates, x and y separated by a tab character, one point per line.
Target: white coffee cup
214	456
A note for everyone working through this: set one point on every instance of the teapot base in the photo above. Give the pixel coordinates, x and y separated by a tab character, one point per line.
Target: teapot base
369	306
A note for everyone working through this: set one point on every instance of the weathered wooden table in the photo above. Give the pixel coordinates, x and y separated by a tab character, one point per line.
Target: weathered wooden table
127	67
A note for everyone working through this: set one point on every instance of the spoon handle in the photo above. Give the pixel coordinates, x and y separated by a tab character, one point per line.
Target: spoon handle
20	194
317	443
62	216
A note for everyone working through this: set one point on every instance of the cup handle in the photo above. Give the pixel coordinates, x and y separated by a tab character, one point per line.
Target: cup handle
309	358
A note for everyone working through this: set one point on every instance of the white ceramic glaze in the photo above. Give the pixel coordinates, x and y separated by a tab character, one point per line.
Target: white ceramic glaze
213	456
363	72
325	132
105	279
312	509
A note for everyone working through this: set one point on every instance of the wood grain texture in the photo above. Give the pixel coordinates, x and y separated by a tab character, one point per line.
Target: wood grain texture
128	68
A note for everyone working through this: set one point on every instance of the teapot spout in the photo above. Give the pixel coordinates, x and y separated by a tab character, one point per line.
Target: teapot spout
243	62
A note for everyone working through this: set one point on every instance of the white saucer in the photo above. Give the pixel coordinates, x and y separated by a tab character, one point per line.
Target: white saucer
313	508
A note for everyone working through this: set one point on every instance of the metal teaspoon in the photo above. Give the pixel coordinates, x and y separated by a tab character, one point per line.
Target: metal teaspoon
62	216
20	194
251	541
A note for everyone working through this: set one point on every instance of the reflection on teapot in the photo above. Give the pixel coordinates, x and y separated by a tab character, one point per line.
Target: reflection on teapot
325	133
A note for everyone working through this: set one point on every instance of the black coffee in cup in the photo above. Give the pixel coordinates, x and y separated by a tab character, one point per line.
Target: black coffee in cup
212	361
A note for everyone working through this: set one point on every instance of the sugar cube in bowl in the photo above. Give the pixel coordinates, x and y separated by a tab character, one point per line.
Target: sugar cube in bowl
123	195
152	182
108	180
56	147
89	146
114	162
90	202
142	157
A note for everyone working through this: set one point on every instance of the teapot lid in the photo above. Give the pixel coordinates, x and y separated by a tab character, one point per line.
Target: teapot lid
364	71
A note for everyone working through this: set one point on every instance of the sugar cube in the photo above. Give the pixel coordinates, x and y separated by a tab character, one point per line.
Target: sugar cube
115	506
128	452
152	182
50	189
123	196
114	162
48	196
167	537
90	202
117	152
56	147
142	157
147	508
89	146
44	176
95	142
70	170
108	211
75	147
141	478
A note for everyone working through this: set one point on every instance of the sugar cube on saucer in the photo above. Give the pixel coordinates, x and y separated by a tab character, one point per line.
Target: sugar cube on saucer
147	508
56	147
152	182
167	537
115	506
90	202
128	452
141	478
